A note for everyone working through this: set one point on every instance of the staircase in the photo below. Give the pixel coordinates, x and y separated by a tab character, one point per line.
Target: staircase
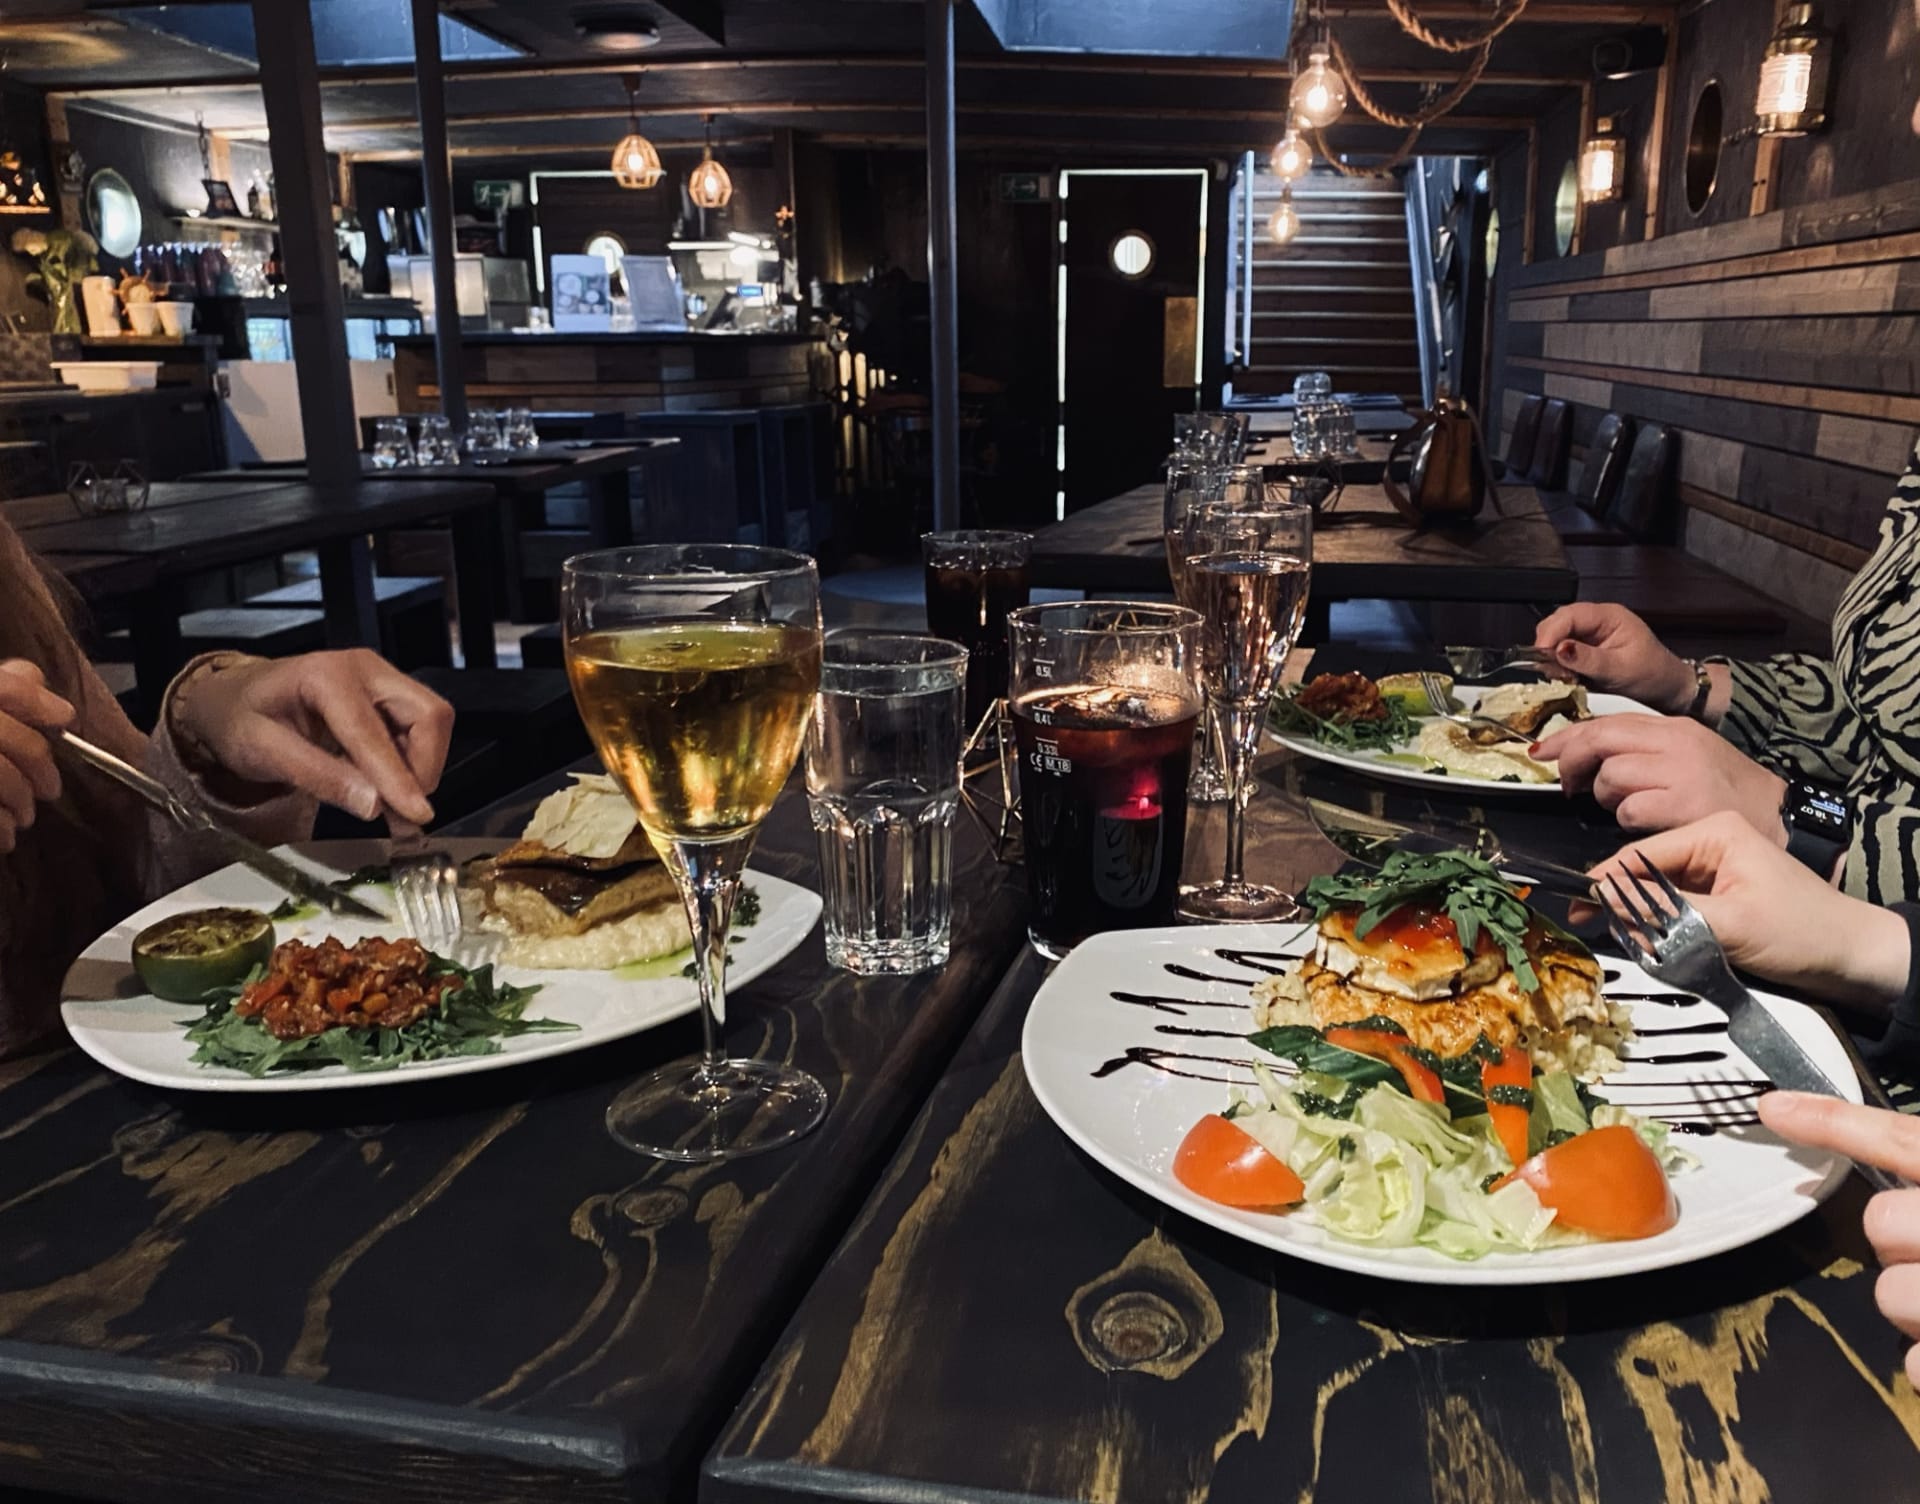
1339	297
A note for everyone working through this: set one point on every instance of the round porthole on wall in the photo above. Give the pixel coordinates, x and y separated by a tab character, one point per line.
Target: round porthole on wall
1704	139
1566	209
113	211
1131	255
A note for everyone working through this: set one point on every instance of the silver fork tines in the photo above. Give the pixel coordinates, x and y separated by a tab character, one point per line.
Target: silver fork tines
1673	943
426	890
1436	694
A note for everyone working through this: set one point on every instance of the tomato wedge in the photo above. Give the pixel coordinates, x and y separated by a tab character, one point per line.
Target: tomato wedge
1423	1082
1605	1182
1220	1160
1512	1069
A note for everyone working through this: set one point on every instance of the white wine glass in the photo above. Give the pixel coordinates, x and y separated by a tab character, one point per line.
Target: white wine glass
1249	566
695	667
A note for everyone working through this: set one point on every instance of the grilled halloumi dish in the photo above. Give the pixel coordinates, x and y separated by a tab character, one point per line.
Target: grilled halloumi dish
582	889
1411	968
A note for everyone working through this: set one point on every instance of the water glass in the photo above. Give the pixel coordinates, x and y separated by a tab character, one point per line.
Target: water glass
883	785
975	576
518	431
1309	429
484	443
391	446
436	445
1105	700
1310	384
136	489
1338	436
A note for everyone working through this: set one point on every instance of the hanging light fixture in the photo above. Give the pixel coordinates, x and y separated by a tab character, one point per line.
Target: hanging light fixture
1285	223
1291	158
1792	98
1319	94
1603	164
635	163
708	184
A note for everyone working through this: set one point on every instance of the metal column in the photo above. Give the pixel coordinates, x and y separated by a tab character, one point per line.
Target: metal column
940	265
436	167
290	87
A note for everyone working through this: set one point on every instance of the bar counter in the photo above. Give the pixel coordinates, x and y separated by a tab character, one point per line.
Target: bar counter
613	373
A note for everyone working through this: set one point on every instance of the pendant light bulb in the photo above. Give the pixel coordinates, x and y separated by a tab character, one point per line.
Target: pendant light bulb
635	162
1285	223
709	185
1319	95
1291	158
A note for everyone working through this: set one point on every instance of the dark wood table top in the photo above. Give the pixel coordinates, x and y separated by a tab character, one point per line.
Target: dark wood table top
1362	550
251	519
447	1292
1008	1321
29	514
529	472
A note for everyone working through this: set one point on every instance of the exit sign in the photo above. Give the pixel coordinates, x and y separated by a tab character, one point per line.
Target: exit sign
1025	188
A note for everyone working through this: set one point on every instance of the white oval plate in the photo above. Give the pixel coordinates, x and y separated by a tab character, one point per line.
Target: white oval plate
136	1034
1132	1118
1369	762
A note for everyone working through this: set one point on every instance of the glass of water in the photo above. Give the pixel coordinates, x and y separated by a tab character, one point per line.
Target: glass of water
883	785
436	445
518	431
391	446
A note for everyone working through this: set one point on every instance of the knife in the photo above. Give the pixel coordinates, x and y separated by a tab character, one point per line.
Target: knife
1365	837
282	873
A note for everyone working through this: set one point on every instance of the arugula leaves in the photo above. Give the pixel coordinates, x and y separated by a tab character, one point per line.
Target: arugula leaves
1392	732
471	1020
1468	889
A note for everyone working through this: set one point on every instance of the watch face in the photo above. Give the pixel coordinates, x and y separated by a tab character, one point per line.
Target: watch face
1814	808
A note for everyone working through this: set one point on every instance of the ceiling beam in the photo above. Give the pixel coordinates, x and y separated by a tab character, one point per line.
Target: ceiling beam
969	140
705	16
339	78
814	107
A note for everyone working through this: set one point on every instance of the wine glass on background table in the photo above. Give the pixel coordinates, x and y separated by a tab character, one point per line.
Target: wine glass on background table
1191	482
1248	570
695	668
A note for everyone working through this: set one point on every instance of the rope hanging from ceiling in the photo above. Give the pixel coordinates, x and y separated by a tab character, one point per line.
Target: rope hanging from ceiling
1436	106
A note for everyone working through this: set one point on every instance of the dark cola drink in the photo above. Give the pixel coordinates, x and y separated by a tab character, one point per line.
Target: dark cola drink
968	604
1103	808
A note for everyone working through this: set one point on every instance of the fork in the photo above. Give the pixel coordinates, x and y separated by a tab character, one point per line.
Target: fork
1673	943
426	889
1436	694
1471	662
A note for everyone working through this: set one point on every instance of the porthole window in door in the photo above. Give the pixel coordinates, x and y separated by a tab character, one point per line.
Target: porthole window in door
609	247
1131	255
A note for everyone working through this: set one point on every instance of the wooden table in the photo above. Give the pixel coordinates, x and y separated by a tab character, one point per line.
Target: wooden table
1007	1321
450	1292
603	469
193	526
1362	550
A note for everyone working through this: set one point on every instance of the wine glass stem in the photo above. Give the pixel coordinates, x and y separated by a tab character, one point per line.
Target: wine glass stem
710	885
1238	728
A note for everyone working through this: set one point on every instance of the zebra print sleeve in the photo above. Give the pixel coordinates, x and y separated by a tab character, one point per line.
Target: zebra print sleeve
1883	865
1788	711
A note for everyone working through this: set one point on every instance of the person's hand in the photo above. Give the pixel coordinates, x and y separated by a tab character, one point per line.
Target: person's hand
348	728
1613	650
28	774
1655	772
1874	1136
1771	915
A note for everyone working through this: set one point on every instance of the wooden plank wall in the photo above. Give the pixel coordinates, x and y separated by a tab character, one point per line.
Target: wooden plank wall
1782	346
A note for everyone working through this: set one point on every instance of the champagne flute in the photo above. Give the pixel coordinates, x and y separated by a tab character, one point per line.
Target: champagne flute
1190	483
1248	567
695	667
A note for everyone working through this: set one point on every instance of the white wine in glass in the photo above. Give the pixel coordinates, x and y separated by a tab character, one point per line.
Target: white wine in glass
695	667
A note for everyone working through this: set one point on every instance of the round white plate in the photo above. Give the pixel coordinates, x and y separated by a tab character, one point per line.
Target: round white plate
1126	1079
130	1031
1370	763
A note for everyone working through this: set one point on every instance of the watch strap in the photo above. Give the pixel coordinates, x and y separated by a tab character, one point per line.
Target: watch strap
1702	688
1814	847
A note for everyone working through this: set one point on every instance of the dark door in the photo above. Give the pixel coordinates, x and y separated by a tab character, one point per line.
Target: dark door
1133	294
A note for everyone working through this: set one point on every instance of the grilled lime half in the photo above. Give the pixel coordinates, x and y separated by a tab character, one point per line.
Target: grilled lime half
191	955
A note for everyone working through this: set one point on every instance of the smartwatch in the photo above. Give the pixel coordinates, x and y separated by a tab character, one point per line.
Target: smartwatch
1819	825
